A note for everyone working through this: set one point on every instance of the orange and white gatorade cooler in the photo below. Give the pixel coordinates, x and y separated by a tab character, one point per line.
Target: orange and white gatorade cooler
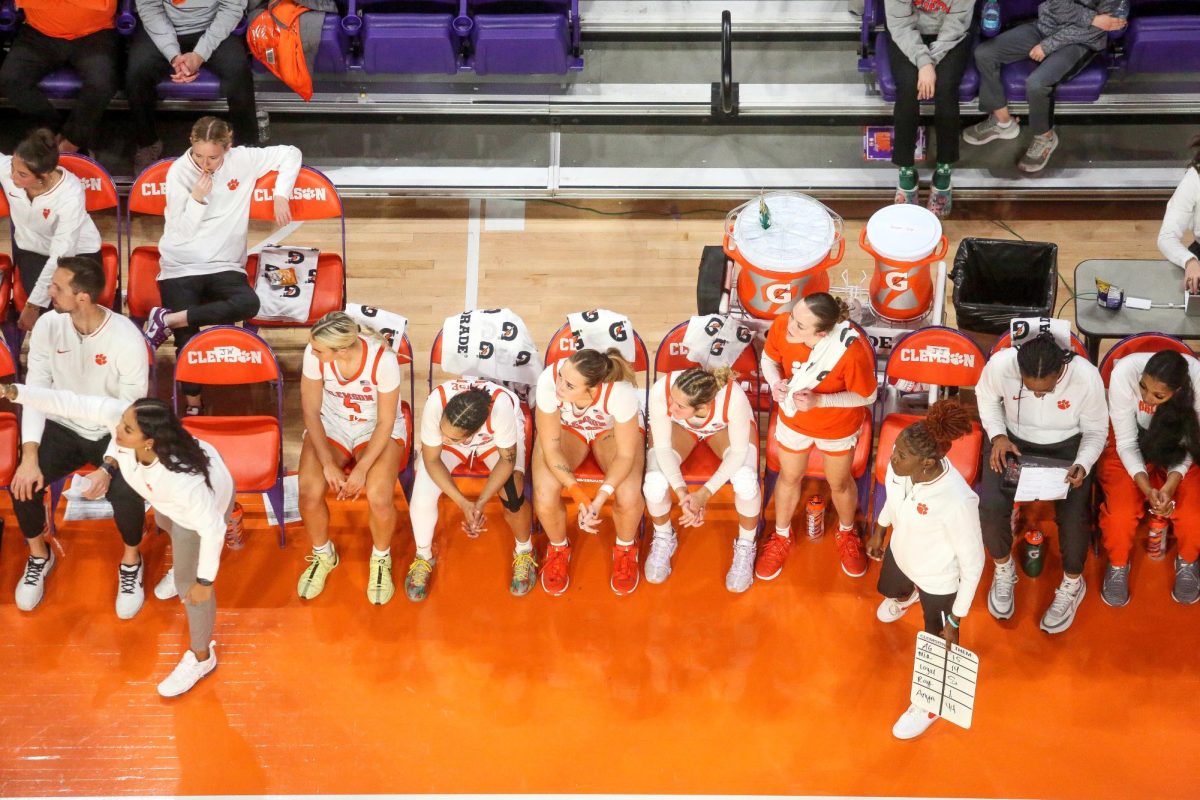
783	243
904	240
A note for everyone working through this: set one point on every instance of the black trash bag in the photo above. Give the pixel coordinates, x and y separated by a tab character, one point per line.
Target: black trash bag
999	280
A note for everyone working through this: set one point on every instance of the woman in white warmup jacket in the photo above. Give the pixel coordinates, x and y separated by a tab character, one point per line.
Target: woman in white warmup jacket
1183	217
186	483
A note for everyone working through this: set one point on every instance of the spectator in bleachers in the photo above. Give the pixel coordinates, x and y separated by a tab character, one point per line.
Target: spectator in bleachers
57	33
1065	34
175	40
203	246
928	50
1183	214
49	216
87	349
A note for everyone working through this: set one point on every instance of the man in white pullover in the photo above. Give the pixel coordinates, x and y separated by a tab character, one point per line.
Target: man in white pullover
88	349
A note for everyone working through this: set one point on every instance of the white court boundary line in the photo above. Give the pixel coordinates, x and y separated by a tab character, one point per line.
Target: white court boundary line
276	237
471	293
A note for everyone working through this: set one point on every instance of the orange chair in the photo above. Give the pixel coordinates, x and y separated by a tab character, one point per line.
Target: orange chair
938	357
1139	343
405	356
1005	341
10	428
251	446
148	196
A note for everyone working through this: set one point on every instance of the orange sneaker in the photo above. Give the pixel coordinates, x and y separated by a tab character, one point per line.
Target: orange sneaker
625	569
555	574
771	557
850	551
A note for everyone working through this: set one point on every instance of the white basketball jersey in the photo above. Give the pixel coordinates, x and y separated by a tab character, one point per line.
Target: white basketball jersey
355	400
504	420
718	410
285	282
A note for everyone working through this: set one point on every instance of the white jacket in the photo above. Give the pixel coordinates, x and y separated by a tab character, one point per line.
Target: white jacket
183	498
1129	414
1076	405
54	224
210	237
936	538
1183	215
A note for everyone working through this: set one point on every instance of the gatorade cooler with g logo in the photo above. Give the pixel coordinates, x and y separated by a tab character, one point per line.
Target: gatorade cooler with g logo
904	240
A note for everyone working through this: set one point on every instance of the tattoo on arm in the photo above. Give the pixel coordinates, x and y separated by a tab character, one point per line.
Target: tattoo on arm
509	454
564	468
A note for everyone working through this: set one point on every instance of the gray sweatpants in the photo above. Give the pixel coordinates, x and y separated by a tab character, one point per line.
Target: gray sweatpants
1014	45
185	551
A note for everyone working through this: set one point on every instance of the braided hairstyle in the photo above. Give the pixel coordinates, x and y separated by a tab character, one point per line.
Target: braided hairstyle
1174	429
1041	357
932	436
607	367
212	129
177	449
700	386
468	411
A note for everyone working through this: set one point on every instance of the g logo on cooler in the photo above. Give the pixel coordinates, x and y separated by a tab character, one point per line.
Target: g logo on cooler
778	293
896	281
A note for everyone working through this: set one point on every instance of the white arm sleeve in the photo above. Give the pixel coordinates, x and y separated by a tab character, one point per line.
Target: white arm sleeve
741	420
661	431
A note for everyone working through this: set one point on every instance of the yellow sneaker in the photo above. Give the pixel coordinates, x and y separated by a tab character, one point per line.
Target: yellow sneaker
524	573
312	580
380	587
416	584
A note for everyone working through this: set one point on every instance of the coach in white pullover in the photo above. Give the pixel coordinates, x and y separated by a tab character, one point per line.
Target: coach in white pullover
186	483
49	216
85	348
203	247
1040	400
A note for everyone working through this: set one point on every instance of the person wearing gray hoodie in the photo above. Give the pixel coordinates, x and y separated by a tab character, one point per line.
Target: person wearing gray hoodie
175	39
1065	34
928	49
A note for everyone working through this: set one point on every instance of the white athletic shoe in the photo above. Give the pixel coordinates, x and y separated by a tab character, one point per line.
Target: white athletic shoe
188	672
130	594
741	571
658	563
1061	613
892	609
32	585
165	589
913	723
1001	598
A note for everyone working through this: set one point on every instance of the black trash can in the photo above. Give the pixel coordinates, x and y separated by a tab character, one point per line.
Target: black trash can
998	280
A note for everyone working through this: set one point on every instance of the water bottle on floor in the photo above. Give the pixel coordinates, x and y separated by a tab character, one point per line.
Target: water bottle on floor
264	126
1033	557
814	517
1156	542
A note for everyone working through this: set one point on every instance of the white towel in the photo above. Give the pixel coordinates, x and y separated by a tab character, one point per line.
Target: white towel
600	329
490	343
821	361
389	325
285	282
715	341
1026	328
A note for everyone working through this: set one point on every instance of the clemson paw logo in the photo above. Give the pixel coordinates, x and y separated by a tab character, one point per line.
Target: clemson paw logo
233	184
45	213
922	508
101	359
1064	404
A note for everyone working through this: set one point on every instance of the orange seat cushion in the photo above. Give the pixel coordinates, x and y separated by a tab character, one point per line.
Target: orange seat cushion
327	293
142	293
248	445
964	453
816	459
112	269
10	439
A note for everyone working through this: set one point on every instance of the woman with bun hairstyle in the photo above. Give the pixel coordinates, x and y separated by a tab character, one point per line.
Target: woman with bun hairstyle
48	210
822	375
936	554
589	403
701	408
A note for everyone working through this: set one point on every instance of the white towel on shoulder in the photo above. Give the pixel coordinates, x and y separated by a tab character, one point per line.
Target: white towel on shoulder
600	329
714	340
490	343
820	363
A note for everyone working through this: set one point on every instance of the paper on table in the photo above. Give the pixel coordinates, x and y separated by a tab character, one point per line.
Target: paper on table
1041	483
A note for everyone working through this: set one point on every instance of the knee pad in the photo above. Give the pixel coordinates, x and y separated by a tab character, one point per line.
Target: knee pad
655	486
747	496
510	498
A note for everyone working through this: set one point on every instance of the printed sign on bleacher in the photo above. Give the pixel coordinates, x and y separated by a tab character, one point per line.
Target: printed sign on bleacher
944	679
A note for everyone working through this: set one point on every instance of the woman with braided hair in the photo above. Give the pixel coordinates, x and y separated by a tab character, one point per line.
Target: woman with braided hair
466	420
936	551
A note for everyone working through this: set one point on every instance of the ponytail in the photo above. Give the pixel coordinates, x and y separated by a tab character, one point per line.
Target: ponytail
177	449
607	367
828	310
934	434
1174	429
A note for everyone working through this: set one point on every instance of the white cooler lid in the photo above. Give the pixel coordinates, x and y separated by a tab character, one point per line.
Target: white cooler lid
904	232
800	236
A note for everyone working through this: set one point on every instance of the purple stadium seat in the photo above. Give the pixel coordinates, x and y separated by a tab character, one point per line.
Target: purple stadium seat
1084	86
1163	44
61	84
335	46
206	87
409	43
524	38
967	90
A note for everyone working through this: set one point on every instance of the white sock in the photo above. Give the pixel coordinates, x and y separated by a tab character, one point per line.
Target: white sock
1004	124
377	553
1071	582
563	543
845	528
747	534
525	547
784	532
425	552
624	544
325	549
665	529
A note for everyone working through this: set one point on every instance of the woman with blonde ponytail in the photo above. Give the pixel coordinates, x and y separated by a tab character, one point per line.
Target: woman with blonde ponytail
592	398
699	407
353	440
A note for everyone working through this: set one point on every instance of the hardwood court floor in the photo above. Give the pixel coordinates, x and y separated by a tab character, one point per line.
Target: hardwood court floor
790	688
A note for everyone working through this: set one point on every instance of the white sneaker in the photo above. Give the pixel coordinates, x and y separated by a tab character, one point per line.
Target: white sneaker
1061	613
892	609
658	563
188	672
130	594
165	589
32	585
1001	596
913	723
741	571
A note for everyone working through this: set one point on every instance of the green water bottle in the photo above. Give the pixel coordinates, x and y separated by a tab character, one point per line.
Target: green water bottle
764	213
1033	553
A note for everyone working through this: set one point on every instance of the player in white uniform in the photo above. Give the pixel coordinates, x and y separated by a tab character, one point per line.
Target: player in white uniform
589	403
688	408
353	440
471	420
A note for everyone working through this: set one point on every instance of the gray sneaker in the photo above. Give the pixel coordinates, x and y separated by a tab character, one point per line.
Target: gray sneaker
1037	155
1115	591
1061	613
658	563
741	571
1187	582
990	130
1001	595
145	156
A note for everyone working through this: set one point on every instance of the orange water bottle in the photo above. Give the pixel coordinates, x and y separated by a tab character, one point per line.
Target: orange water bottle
814	517
1156	544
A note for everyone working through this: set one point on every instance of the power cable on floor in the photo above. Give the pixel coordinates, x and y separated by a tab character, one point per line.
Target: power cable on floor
603	213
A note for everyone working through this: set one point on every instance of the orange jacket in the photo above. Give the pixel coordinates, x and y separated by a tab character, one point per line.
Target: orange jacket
69	19
274	39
